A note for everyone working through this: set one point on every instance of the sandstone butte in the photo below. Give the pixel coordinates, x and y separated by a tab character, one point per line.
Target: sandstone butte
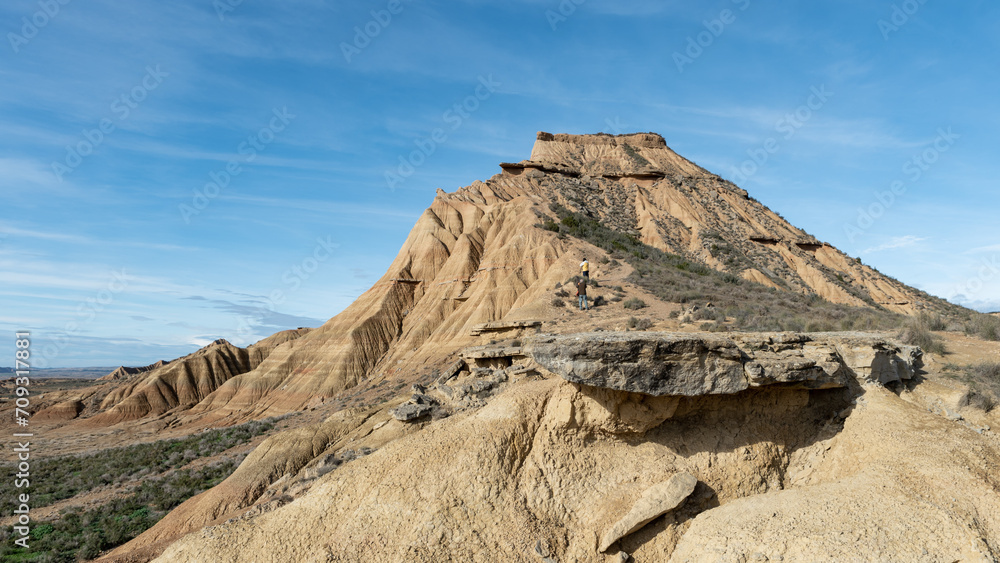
536	433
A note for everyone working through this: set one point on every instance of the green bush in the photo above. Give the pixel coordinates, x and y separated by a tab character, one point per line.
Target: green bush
570	221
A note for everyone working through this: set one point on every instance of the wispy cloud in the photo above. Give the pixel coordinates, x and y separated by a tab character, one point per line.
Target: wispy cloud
896	242
258	318
83	239
982	249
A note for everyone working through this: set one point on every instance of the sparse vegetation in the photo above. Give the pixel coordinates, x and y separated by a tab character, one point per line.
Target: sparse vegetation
83	534
634	303
985	327
639	324
68	476
748	306
917	332
634	155
983	380
556	302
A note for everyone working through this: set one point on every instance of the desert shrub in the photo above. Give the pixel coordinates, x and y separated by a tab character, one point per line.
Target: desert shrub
708	314
639	324
984	403
562	293
820	325
986	327
915	333
989	371
598	301
983	380
556	302
931	321
615	298
731	279
634	303
551	225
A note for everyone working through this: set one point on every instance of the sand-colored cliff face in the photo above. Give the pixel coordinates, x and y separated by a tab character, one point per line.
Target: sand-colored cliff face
550	468
183	383
479	255
559	447
637	183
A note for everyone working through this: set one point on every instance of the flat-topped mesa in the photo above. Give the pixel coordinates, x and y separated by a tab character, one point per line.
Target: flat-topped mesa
649	140
638	155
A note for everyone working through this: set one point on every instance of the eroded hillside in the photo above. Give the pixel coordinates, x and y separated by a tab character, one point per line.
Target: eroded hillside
482	254
462	408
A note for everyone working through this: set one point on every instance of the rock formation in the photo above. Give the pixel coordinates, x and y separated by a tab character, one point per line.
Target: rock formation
182	383
479	256
123	372
573	469
526	438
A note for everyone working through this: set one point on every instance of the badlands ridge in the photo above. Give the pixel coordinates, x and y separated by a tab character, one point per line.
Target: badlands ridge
486	422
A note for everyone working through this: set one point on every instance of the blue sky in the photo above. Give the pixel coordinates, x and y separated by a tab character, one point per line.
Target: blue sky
177	172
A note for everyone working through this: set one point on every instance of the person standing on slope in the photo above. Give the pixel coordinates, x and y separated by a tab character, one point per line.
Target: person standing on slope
581	292
585	268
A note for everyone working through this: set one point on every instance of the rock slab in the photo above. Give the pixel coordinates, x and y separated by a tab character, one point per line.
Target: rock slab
695	364
651	363
656	501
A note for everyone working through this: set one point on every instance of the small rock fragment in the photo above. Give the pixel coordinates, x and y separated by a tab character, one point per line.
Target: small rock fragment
410	412
422	399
